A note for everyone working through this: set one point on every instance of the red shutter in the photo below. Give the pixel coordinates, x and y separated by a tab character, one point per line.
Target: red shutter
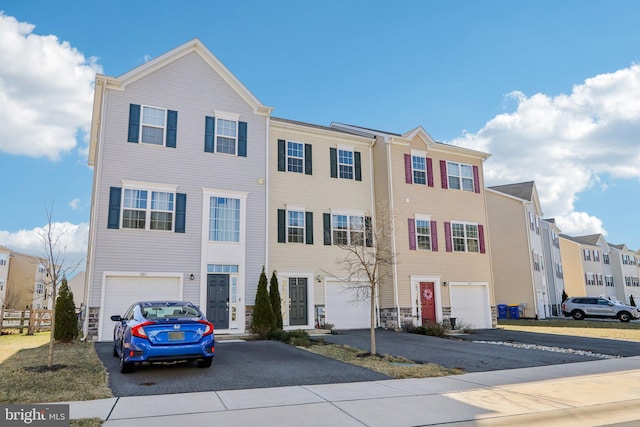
447	236
443	174
481	238
476	179
412	234
429	172
408	174
434	237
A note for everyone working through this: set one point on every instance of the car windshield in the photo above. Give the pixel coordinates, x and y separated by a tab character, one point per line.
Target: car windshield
169	312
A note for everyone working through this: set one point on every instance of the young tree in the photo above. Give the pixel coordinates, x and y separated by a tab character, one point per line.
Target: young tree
55	265
367	260
276	303
66	321
262	323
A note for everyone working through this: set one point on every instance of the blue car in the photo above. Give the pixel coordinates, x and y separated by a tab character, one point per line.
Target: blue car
162	331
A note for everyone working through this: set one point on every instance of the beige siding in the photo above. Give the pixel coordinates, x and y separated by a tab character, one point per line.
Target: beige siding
572	266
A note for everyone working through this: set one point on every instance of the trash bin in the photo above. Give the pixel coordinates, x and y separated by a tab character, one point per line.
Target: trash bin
514	311
502	311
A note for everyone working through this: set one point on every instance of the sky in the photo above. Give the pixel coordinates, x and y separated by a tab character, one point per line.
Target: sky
551	89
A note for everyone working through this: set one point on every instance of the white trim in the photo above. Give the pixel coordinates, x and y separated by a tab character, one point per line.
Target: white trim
485	285
349	212
224	193
225	115
422	217
418	153
151	186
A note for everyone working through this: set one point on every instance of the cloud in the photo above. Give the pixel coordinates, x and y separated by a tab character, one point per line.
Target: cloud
74	204
72	243
46	92
566	143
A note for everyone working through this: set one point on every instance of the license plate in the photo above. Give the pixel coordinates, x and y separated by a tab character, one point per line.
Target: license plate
176	336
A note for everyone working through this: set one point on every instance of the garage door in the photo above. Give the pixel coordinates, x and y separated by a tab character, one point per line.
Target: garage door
121	292
470	305
343	311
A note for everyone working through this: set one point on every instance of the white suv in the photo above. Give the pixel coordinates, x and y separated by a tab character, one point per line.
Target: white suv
581	307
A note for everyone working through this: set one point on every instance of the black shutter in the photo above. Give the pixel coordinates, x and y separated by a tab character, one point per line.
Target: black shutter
282	226
242	139
358	165
307	159
113	220
282	155
172	128
333	156
209	133
134	123
308	224
181	212
326	226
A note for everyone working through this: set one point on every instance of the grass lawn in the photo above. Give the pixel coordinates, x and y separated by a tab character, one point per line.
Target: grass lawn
582	328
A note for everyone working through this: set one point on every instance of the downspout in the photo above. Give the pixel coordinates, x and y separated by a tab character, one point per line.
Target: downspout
266	203
533	279
393	232
373	220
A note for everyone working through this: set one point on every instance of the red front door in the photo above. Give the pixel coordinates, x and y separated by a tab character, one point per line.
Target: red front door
428	301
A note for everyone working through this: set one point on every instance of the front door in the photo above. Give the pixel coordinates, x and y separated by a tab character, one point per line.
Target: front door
218	300
298	301
428	301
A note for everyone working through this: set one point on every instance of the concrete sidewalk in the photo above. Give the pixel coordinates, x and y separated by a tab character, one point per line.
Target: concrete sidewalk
578	394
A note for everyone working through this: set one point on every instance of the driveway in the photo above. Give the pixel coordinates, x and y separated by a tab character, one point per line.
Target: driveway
237	365
489	349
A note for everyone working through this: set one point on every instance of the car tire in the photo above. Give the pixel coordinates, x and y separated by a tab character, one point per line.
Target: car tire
125	367
205	363
624	317
577	314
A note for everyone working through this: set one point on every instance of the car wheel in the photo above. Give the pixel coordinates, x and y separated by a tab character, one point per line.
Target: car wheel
205	363
125	367
624	317
578	315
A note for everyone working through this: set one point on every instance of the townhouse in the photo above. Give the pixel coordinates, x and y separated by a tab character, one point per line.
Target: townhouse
517	248
197	188
23	281
5	253
553	264
625	273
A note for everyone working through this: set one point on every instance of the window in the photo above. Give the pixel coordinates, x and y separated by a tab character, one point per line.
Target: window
39	288
3	259
224	219
42	268
605	258
153	120
295	157
536	260
419	167
465	237
460	176
226	136
345	164
609	281
558	270
627	280
138	213
590	280
347	230
596	256
295	227
423	234
599	277
587	254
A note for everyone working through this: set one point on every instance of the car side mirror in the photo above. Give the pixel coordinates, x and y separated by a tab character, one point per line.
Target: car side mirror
116	318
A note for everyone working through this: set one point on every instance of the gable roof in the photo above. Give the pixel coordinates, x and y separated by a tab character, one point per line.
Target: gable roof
591	239
521	190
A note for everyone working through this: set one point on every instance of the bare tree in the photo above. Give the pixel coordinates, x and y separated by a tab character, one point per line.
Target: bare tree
367	261
55	265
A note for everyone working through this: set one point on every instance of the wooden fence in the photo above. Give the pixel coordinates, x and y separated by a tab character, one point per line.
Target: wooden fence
32	320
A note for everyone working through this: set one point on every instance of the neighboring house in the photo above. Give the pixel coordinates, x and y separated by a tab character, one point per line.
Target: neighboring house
320	196
517	248
5	253
27	284
179	151
588	270
553	264
76	285
430	197
625	266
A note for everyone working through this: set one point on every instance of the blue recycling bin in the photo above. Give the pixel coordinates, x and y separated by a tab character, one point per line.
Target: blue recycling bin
514	312
502	311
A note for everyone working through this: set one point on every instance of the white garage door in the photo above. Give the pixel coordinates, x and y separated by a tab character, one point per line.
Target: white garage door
470	306
121	292
343	310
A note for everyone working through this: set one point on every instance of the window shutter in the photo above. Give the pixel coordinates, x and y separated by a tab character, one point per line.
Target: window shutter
368	231
282	226
333	157
308	225
429	172
113	220
481	238
408	173
242	139
358	165
172	128
181	212
412	234
209	133
134	123
282	155
326	227
586	279
447	236
434	236
308	162
476	179
443	174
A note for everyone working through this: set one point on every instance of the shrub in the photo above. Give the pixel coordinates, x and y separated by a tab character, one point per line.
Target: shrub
297	338
262	323
434	329
66	321
276	303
